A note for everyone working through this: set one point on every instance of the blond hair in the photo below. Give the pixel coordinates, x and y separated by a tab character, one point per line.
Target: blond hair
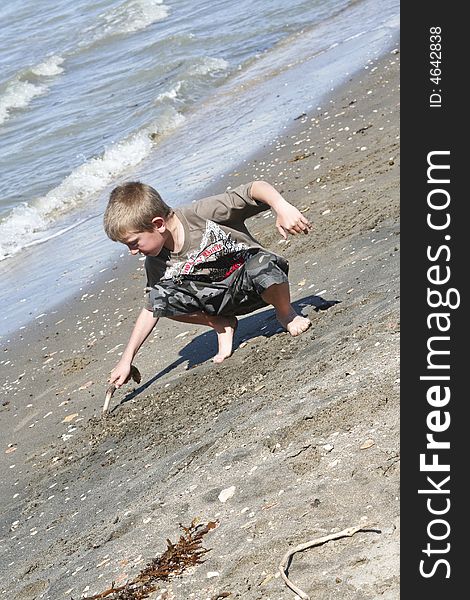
131	208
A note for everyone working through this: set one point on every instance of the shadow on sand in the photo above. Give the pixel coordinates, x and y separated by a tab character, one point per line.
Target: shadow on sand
203	347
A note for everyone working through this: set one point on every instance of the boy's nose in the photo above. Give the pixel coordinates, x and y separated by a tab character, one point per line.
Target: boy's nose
134	251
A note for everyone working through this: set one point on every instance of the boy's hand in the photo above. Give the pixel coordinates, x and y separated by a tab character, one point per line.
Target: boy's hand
291	220
120	374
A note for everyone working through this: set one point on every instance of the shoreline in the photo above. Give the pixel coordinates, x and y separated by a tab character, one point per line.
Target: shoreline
127	264
236	430
24	296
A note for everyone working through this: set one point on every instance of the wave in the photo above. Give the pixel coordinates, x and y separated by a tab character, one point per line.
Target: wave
129	17
26	224
205	66
50	67
18	94
134	15
209	65
170	94
19	91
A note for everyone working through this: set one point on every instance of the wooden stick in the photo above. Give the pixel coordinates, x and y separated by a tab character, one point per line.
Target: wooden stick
350	531
109	394
134	374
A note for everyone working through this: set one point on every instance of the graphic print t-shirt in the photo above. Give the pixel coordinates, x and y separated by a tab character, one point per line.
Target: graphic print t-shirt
215	238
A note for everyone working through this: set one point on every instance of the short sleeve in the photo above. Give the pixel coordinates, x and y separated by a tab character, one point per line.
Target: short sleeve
233	206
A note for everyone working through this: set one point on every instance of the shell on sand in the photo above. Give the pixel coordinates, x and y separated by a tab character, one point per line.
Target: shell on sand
227	493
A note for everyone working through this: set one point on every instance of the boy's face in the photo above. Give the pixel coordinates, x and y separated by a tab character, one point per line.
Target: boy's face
148	243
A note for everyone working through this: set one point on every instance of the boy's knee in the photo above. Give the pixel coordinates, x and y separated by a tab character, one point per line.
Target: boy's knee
265	269
265	260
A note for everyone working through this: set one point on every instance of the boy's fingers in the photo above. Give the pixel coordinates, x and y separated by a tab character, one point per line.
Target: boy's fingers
301	226
115	380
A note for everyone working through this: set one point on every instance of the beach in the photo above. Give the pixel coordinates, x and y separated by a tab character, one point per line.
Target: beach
302	432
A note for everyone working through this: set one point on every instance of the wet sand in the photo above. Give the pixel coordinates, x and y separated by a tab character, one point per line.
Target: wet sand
303	431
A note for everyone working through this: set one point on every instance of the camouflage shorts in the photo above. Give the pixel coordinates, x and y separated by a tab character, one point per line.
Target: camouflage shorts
237	294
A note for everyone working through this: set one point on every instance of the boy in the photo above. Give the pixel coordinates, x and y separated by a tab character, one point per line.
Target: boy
203	266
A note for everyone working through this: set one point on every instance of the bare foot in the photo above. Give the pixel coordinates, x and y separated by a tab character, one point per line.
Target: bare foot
225	328
294	323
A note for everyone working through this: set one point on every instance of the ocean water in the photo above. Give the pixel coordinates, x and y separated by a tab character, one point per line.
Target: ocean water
172	92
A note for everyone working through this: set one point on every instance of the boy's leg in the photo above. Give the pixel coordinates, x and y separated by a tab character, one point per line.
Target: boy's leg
278	295
225	328
186	300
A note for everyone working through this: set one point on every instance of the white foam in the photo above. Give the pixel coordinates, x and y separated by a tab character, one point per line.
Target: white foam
135	15
23	226
18	94
171	94
209	65
50	67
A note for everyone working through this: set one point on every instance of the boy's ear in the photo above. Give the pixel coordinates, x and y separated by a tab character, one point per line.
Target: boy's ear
159	224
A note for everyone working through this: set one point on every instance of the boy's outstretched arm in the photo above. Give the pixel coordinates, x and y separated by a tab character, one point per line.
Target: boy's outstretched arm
142	328
289	219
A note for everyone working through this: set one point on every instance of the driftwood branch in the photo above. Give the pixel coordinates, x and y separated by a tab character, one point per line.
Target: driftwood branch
284	564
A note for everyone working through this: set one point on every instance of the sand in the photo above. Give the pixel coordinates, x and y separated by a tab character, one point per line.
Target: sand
303	432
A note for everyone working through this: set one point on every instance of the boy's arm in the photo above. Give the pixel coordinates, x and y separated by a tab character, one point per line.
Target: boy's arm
289	218
142	328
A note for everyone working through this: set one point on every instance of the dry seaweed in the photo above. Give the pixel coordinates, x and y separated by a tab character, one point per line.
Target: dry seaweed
186	552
